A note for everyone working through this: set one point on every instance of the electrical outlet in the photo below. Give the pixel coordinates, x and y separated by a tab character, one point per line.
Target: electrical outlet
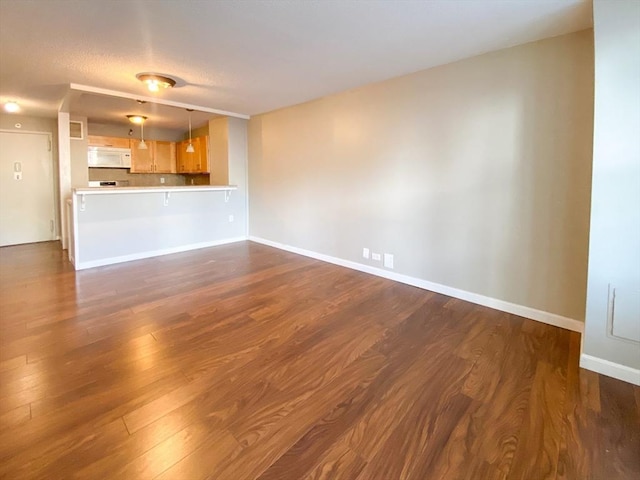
376	256
365	252
161	179
231	218
17	175
388	260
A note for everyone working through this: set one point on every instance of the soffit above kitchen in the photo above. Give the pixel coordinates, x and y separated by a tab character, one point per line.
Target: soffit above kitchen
105	109
253	56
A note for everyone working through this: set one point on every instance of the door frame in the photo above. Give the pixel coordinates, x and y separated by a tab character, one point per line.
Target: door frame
54	172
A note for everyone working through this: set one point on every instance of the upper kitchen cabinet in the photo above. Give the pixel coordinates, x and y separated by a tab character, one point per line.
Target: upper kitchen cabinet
196	162
141	159
101	141
158	157
164	156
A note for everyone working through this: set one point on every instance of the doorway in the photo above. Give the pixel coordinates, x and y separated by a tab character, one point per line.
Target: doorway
27	200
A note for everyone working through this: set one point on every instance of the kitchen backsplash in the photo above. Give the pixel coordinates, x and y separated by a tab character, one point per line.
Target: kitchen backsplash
138	179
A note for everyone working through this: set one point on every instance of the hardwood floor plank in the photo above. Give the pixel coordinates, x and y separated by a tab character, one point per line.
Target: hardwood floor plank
11	363
16	416
340	462
579	449
536	455
619	424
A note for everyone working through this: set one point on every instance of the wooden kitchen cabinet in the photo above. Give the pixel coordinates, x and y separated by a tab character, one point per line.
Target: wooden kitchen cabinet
196	162
102	141
164	157
141	160
159	157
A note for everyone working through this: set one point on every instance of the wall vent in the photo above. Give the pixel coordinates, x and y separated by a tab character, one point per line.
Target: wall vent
75	130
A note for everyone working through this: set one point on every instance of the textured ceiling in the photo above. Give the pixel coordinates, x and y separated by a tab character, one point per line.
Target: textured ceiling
253	56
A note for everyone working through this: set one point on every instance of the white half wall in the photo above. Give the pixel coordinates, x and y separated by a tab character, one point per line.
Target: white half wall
611	343
121	226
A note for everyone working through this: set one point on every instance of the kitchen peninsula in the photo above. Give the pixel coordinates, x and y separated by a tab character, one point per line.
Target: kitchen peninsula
117	224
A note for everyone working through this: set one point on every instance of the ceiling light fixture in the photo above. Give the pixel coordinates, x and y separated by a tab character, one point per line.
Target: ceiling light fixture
155	81
11	107
190	148
137	119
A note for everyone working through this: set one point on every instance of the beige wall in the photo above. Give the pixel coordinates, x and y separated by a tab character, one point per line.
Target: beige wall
475	175
79	163
122	130
219	151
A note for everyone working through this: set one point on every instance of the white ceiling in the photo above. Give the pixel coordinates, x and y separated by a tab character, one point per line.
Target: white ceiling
253	56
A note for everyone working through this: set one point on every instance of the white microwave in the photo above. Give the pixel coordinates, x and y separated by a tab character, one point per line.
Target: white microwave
109	157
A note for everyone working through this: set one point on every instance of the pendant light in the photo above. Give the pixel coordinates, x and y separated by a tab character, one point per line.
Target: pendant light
190	148
139	120
142	145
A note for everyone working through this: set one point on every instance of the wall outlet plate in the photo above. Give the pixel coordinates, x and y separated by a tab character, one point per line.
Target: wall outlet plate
388	260
376	256
365	252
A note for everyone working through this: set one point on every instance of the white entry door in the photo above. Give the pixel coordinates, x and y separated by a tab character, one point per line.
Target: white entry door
27	202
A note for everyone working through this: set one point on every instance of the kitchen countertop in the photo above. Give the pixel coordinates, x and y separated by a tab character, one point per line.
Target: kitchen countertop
180	188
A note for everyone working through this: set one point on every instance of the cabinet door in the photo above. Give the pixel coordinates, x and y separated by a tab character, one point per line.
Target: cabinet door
186	161
141	160
202	158
164	157
101	141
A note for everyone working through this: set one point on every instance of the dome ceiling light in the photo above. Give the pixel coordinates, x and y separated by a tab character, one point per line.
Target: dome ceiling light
137	119
155	81
11	107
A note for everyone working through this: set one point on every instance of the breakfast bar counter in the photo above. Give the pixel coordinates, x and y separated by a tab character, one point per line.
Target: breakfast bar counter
117	224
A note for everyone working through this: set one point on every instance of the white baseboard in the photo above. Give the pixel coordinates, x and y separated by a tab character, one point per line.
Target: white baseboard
155	253
520	310
610	369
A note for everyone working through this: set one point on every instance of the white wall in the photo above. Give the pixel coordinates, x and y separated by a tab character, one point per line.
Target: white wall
475	175
614	250
238	157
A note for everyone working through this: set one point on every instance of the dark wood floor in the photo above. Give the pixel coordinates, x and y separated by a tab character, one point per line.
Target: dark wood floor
245	362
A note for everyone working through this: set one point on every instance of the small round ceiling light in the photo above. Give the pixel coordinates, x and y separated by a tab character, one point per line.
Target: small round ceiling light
11	107
155	82
137	119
